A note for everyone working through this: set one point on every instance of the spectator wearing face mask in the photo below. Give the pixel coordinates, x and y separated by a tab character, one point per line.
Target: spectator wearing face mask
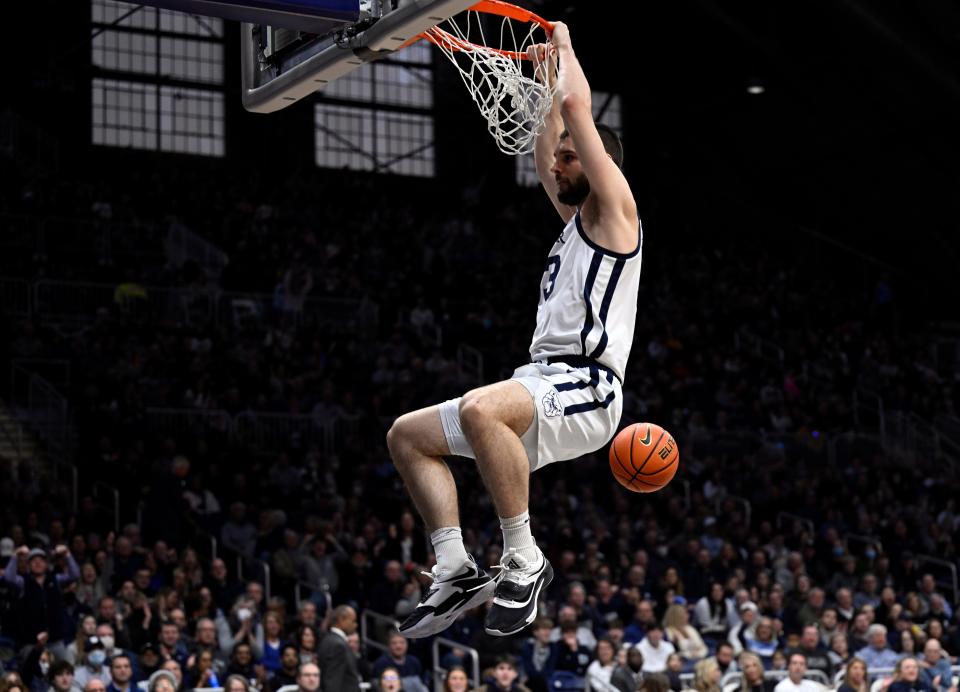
92	666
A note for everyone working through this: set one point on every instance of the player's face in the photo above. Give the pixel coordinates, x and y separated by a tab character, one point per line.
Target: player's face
572	184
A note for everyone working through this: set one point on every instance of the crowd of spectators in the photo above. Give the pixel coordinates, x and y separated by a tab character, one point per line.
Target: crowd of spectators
753	559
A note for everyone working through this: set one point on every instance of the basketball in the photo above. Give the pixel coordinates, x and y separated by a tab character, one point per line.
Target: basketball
644	457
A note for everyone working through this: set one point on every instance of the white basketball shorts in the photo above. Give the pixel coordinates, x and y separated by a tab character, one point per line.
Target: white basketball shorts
577	412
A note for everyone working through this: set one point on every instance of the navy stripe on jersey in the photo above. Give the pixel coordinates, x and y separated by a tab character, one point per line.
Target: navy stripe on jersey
605	306
594	381
589	405
587	290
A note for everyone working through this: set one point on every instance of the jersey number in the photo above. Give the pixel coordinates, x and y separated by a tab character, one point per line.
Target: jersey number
553	268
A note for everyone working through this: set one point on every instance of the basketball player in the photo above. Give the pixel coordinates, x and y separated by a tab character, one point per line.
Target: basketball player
566	402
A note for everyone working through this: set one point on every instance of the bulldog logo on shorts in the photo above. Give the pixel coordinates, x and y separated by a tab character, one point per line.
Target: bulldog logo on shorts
551	404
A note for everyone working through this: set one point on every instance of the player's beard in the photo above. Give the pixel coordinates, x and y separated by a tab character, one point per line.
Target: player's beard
577	191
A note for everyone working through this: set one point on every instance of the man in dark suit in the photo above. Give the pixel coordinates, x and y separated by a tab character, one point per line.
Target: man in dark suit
337	663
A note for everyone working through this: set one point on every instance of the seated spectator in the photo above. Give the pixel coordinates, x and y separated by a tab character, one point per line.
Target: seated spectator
657	682
907	644
643	620
308	677
935	666
148	662
397	656
61	677
907	677
271	642
855	677
92	664
816	655
456	680
609	602
364	667
795	682
706	676
504	677
678	631
202	673
877	654
236	683
655	651
627	677
121	674
289	663
724	658
538	656
766	643
857	637
828	626
751	676
673	672
711	614
172	646
242	664
601	668
307	643
389	680
572	656
839	653
566	616
746	628
87	628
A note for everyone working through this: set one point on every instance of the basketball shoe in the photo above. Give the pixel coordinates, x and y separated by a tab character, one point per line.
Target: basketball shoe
448	596
518	590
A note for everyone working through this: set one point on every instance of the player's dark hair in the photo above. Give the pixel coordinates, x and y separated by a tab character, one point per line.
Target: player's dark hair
611	142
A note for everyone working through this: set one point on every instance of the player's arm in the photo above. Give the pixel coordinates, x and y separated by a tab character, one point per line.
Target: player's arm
543	56
608	187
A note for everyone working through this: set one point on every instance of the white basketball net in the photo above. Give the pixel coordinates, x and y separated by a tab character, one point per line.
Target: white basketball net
514	104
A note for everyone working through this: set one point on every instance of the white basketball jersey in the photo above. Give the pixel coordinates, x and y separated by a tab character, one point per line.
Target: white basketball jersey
588	301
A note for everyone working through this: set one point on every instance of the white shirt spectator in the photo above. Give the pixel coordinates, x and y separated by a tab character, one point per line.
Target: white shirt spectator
788	685
598	677
655	657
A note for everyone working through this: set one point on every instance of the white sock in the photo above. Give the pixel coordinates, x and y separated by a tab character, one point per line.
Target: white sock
516	535
448	545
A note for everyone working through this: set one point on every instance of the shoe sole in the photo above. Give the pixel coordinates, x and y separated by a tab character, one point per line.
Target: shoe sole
439	624
534	598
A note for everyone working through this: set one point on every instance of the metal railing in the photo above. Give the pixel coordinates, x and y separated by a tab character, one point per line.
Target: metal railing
182	244
371	621
748	342
107	497
263	430
266	430
440	673
806	524
55	370
815	675
742	502
44	408
470	363
62	468
951	569
298	594
868	413
863	540
15	296
264	567
80	302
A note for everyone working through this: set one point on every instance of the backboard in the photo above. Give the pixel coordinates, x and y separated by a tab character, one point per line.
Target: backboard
292	48
282	65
